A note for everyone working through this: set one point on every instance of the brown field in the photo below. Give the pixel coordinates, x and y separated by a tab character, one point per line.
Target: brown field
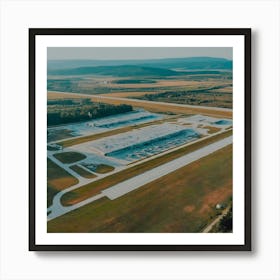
111	82
94	188
186	204
224	90
59	95
57	179
81	171
130	93
159	83
104	168
212	129
164	83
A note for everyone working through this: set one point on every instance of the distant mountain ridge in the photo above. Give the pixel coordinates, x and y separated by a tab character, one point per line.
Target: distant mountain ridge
188	63
117	71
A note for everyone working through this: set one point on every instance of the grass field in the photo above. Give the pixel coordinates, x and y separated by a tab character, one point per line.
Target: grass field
184	204
104	168
57	179
81	171
69	157
93	188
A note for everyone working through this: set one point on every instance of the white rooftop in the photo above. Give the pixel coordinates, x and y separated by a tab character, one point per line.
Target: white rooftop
138	136
197	119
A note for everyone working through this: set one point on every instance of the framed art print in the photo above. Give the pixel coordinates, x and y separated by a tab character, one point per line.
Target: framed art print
140	139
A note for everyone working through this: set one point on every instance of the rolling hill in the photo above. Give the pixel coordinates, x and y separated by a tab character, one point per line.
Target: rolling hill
188	63
117	71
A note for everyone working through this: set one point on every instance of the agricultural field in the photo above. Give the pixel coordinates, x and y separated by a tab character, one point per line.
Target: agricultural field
139	147
212	91
202	83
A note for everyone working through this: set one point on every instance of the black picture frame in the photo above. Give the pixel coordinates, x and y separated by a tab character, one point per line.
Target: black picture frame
246	32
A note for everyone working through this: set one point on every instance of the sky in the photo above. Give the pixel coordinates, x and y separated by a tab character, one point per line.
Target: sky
108	53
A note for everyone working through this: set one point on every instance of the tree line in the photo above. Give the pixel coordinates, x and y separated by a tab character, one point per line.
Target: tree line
68	111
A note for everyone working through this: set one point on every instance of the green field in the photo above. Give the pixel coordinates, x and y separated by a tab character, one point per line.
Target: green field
183	201
57	180
93	188
69	157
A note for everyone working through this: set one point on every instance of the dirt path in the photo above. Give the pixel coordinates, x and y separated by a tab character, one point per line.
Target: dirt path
211	225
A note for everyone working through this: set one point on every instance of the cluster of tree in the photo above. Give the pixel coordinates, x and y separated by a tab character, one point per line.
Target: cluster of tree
225	225
134	81
181	93
69	113
68	102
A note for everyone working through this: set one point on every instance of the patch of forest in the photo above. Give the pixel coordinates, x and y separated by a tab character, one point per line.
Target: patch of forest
135	81
211	96
62	111
225	225
84	86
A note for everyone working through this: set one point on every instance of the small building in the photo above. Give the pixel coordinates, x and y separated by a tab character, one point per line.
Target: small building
219	206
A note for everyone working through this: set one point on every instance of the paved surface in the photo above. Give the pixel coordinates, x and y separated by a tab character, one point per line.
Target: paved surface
162	170
81	179
138	181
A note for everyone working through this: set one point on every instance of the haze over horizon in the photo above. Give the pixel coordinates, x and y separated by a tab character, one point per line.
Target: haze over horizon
135	53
